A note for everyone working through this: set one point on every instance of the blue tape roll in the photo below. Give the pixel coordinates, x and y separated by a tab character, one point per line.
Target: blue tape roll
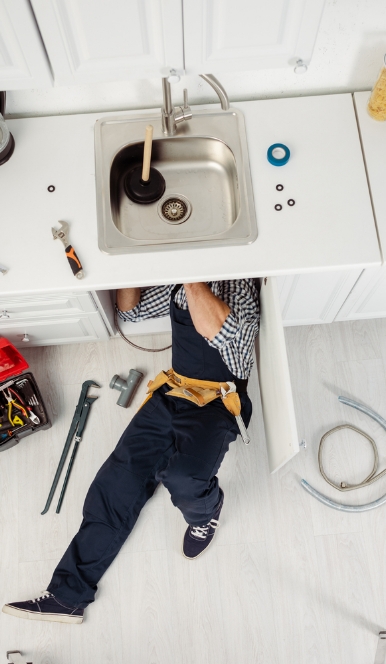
278	161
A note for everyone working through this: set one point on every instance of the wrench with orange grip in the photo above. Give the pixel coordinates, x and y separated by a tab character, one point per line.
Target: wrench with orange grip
62	234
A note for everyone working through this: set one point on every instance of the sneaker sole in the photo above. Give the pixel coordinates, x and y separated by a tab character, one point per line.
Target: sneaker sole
50	617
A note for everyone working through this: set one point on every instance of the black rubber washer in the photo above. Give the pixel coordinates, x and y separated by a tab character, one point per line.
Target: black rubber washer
279	187
278	207
291	202
51	188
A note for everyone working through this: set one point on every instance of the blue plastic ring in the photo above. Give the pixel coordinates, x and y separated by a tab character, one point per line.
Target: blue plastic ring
273	160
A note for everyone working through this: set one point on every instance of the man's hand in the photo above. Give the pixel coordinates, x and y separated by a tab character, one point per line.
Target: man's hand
208	312
128	298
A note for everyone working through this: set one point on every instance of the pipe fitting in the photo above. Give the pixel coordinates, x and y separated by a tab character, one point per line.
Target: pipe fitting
126	387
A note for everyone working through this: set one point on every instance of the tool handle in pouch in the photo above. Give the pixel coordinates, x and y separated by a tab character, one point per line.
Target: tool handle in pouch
76	265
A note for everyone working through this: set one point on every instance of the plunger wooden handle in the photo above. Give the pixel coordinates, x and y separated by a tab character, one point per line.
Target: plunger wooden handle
147	153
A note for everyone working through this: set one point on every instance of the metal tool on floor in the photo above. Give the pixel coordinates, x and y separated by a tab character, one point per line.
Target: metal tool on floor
380	655
77	425
82	423
62	234
16	657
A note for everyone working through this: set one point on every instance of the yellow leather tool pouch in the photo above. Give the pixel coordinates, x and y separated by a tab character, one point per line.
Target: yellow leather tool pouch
232	403
197	395
199	392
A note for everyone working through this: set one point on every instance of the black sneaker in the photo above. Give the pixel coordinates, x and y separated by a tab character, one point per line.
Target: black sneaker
198	538
45	607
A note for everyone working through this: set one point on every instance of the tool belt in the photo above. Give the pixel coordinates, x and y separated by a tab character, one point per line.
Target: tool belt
199	392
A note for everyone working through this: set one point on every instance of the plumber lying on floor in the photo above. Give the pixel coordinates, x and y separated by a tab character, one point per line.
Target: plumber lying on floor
170	440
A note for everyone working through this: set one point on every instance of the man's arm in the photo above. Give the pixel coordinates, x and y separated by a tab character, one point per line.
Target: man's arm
208	311
128	298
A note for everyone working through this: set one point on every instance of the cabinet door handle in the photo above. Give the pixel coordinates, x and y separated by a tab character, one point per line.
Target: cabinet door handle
4	314
25	338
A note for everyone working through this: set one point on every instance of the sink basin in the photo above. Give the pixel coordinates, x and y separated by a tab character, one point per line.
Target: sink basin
208	200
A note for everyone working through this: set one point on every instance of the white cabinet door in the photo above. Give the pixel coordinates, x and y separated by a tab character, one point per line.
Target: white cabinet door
23	307
274	379
308	299
54	331
23	61
224	35
110	40
368	298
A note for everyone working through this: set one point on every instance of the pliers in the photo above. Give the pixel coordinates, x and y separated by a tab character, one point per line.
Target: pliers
20	405
13	403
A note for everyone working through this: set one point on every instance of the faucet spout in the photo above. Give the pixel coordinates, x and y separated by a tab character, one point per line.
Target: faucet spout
217	87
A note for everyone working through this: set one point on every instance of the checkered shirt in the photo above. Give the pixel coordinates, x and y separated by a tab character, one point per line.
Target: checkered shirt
235	340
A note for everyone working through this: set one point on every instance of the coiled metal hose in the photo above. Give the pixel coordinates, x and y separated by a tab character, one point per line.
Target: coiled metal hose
344	486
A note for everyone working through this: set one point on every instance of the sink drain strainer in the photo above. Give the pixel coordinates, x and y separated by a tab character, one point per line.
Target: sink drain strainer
174	209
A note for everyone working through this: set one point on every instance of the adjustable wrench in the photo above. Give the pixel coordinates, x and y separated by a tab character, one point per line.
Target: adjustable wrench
62	234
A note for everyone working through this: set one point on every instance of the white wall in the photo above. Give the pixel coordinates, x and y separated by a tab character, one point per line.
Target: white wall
347	57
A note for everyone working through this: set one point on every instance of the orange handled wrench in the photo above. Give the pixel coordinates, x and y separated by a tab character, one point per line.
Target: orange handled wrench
62	234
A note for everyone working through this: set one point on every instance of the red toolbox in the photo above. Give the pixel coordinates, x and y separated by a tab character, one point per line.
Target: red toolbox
22	411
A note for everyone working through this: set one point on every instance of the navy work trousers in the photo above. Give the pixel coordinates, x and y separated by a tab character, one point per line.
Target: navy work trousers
170	440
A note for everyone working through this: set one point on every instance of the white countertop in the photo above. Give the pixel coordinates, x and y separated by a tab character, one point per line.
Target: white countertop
331	226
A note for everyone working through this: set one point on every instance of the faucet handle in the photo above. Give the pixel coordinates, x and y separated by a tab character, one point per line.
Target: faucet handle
186	102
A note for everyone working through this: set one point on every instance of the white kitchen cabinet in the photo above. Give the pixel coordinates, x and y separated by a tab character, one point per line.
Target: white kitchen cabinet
368	298
54	331
98	40
51	319
23	61
308	299
94	40
223	35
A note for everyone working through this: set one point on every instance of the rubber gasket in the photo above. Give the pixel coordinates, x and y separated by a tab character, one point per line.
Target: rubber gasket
279	187
278	207
291	202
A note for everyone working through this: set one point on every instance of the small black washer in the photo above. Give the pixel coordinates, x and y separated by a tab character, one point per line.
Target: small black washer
51	188
278	206
291	202
279	187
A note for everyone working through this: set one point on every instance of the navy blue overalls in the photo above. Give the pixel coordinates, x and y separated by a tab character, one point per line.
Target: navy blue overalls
170	440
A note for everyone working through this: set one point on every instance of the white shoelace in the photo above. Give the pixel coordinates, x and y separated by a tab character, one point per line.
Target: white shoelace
44	595
201	532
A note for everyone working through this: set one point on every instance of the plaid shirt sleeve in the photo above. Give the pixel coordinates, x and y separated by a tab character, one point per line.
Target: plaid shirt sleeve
235	340
154	303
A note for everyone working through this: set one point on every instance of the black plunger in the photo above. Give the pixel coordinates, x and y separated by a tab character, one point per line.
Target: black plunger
145	184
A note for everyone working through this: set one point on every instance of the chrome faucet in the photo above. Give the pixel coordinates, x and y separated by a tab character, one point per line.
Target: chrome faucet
173	115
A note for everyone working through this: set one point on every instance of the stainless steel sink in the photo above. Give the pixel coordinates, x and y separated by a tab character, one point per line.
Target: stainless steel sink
208	200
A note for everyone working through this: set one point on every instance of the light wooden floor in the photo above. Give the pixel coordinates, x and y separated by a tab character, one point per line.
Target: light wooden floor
287	579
